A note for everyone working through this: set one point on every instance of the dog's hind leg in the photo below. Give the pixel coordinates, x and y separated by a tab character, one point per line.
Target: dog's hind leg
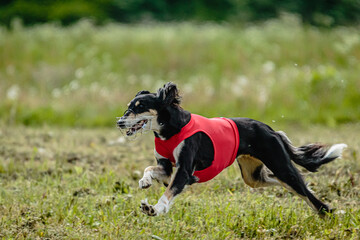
275	157
255	173
275	151
293	181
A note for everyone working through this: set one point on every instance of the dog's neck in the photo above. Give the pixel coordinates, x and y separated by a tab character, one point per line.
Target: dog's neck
172	119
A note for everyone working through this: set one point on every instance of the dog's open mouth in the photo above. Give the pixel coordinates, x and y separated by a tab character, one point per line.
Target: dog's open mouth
136	127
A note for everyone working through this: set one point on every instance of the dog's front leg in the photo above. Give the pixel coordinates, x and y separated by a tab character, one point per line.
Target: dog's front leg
182	176
150	173
153	172
176	186
161	173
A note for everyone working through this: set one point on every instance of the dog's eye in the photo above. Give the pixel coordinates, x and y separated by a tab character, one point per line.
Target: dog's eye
141	106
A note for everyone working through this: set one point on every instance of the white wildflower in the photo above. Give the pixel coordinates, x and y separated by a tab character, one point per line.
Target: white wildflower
13	92
79	73
74	85
56	93
268	67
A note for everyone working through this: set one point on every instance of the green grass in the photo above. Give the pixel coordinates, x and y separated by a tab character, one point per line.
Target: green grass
63	183
84	75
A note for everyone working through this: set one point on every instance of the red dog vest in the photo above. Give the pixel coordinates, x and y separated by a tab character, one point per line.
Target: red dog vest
223	133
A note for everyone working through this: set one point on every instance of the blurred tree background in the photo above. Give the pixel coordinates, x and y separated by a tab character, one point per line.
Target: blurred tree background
320	12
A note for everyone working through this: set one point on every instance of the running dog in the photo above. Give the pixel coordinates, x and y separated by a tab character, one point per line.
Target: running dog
200	148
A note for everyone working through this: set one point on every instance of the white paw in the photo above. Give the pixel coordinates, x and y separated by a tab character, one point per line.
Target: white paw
147	208
145	182
163	205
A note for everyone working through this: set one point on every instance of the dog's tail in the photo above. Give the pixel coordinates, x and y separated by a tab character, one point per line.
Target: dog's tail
311	156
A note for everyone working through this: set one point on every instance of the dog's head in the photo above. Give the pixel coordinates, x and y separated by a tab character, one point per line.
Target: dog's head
150	111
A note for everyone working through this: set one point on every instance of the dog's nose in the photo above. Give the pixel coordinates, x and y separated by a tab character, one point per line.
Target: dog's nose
120	123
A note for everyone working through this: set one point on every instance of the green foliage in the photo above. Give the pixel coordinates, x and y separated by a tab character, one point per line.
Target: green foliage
85	75
321	13
66	12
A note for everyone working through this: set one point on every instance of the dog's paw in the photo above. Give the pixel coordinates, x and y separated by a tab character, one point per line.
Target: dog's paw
147	208
145	182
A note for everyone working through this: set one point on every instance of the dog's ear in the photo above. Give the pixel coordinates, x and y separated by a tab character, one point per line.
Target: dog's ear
142	92
169	94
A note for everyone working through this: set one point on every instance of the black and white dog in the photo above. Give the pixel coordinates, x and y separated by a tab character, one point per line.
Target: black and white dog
263	155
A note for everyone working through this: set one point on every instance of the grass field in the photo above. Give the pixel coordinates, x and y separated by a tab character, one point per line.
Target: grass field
66	172
83	184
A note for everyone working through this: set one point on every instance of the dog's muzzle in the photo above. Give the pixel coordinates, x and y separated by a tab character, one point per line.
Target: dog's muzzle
120	123
130	127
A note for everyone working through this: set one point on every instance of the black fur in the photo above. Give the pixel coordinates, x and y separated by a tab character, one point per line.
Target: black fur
167	166
257	174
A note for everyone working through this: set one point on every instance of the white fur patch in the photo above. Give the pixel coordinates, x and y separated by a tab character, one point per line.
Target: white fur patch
335	151
146	181
163	205
287	140
282	133
177	150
